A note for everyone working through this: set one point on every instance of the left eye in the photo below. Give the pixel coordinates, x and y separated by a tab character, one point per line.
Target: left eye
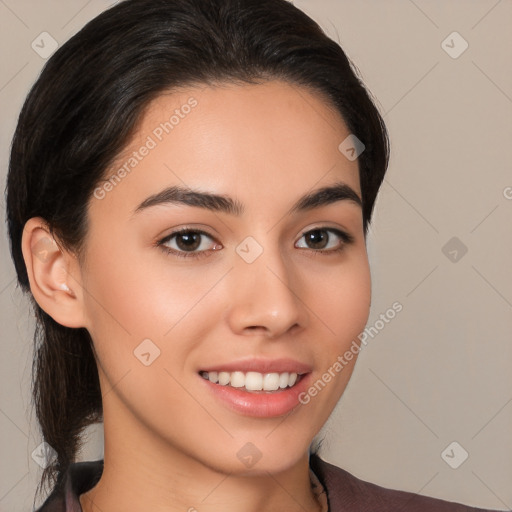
320	238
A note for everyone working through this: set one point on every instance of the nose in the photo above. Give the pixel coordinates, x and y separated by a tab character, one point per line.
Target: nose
265	296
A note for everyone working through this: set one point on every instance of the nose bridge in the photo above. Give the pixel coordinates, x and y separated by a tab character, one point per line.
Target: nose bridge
263	293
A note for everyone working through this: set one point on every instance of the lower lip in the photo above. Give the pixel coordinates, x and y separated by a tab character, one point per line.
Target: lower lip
259	404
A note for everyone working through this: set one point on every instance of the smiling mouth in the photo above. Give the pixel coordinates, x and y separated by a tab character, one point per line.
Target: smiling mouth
254	382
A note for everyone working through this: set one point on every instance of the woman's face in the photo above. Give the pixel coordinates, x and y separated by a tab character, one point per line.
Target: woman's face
241	291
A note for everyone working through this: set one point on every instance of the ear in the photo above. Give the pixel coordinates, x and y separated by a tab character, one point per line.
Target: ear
54	275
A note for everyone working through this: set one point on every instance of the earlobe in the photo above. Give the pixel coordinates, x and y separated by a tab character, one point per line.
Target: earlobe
53	275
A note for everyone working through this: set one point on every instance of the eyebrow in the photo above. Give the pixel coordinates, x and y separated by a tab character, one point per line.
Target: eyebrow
221	203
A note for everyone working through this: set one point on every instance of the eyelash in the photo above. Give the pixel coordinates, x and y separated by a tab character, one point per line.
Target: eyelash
345	238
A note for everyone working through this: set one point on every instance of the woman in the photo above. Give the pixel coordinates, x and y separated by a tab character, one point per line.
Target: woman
189	193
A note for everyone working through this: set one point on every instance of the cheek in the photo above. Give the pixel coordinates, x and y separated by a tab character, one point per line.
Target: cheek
343	305
141	297
343	311
130	298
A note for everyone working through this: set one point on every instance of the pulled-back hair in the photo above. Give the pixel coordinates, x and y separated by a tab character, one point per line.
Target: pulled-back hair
82	112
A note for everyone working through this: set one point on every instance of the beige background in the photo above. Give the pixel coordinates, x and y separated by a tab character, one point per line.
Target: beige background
440	371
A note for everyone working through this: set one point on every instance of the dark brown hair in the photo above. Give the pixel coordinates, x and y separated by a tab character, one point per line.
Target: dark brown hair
86	104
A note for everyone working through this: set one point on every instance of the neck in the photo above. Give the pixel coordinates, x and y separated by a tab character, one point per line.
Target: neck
135	483
144	472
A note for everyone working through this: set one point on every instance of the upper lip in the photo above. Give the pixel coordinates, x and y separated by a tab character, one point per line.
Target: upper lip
261	366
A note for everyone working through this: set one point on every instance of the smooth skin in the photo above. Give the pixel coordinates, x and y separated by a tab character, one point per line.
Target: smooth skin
169	446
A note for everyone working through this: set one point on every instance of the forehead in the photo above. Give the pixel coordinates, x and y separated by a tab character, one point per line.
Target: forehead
272	138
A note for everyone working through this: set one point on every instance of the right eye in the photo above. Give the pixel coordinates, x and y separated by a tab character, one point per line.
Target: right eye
185	243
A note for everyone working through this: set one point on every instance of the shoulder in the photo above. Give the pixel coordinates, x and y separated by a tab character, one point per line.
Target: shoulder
79	478
348	493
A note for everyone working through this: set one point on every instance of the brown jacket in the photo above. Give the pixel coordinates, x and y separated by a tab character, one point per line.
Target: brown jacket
345	492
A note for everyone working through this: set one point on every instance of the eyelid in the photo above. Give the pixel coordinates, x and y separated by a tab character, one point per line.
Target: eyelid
341	232
186	229
188	254
346	239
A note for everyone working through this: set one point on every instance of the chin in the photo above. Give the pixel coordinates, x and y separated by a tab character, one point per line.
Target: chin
261	454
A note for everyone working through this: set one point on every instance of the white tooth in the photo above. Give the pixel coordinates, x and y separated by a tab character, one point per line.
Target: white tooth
254	381
237	379
271	382
224	378
283	380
